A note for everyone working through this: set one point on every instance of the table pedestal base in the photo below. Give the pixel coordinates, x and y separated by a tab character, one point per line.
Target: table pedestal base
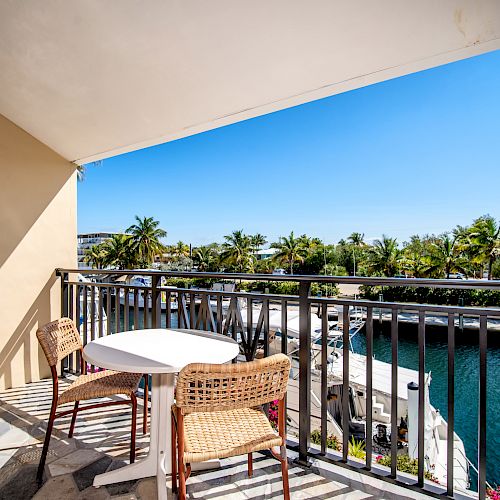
158	461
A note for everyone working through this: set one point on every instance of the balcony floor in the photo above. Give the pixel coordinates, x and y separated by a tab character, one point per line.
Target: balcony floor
100	443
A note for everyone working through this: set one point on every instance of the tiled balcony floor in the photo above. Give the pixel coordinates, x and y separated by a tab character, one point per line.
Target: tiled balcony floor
101	442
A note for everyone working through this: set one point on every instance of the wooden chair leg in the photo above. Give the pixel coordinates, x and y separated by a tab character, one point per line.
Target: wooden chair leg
146	399
133	400
174	457
73	420
45	449
180	456
284	474
250	465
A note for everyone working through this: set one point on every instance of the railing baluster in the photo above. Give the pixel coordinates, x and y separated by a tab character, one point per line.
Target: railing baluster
92	313
72	357
126	309
249	339
180	309
394	392
324	376
304	372
136	309
168	309
117	309
345	383
145	310
78	322
155	302
99	314
483	345
284	327
421	396
284	343
108	310
369	387
265	305
451	404
85	318
219	313
192	310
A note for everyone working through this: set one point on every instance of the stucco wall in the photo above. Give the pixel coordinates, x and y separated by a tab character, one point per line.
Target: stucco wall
37	234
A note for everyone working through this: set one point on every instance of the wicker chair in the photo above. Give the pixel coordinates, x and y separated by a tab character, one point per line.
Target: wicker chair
60	338
217	414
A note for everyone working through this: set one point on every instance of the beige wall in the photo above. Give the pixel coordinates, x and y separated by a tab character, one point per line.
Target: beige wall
37	234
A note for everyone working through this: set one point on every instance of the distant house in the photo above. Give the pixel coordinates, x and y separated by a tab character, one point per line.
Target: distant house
265	254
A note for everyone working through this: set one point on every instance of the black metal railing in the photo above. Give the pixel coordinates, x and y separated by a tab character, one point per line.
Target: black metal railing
106	307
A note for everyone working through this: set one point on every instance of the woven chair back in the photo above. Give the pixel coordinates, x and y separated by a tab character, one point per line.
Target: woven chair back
58	339
207	387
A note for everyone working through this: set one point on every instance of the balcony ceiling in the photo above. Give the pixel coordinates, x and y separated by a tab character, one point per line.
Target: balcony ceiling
95	78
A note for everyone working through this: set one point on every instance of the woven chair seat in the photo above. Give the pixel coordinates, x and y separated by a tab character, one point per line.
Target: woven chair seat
222	434
99	385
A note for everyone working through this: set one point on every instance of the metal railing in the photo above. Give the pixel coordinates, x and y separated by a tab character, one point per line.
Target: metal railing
90	303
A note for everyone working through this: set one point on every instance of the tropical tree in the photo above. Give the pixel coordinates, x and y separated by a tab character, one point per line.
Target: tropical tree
95	256
357	239
205	258
291	250
484	238
446	256
118	252
384	256
180	249
145	239
258	240
415	258
237	252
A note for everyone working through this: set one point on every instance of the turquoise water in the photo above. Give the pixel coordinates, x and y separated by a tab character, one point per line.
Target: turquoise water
466	382
466	385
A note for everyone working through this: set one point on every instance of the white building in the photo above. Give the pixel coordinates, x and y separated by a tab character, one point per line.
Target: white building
88	240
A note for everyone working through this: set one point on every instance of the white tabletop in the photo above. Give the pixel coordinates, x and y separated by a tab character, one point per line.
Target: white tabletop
159	350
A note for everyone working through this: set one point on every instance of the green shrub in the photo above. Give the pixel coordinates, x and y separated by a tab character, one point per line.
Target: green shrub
438	296
357	448
405	464
332	441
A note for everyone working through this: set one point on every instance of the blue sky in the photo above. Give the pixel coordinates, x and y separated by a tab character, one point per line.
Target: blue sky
417	154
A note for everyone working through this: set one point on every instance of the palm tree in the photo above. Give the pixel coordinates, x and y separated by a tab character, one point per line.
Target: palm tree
180	249
446	256
96	256
357	239
384	256
145	242
484	235
205	258
238	251
119	253
291	250
82	169
258	240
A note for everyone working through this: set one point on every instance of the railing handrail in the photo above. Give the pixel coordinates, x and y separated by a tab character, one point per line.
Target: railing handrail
304	278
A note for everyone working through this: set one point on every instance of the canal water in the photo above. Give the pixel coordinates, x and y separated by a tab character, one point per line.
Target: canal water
466	383
466	380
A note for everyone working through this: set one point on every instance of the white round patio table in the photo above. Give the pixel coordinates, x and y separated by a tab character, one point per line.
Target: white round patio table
163	353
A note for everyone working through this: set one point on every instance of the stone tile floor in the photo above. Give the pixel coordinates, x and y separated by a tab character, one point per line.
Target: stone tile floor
101	443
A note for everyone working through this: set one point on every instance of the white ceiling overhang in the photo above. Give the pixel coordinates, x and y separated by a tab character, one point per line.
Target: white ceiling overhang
96	78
